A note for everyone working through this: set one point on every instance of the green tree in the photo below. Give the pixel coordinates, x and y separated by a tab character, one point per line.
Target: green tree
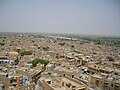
37	60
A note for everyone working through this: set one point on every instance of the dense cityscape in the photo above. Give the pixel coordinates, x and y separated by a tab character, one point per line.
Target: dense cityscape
59	44
44	61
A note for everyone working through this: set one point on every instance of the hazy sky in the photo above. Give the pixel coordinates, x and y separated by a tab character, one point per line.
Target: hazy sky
100	17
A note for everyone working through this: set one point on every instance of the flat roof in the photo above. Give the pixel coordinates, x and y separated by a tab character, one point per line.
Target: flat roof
58	86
